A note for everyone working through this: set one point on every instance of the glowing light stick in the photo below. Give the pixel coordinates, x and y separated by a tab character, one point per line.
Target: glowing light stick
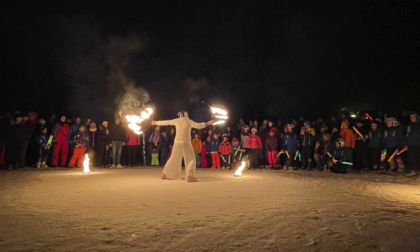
297	152
240	156
287	153
369	116
392	156
347	163
299	157
383	155
329	155
280	152
222	158
229	159
401	151
358	133
236	151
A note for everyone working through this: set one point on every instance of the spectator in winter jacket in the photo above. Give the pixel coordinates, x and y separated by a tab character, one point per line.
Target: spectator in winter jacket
155	148
82	141
60	133
236	148
347	135
164	148
290	146
360	149
43	148
73	129
340	155
323	153
197	147
244	138
225	150
26	132
133	144
413	142
209	157
254	145
214	150
271	146
255	125
262	128
392	140
102	147
117	137
230	134
156	133
307	138
375	146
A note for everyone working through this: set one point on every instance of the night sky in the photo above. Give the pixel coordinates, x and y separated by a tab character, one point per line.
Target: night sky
258	58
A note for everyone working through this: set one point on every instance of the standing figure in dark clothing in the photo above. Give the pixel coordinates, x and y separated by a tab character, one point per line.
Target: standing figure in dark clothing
290	146
14	142
413	142
43	148
307	139
375	147
118	137
271	146
360	149
102	147
164	148
26	133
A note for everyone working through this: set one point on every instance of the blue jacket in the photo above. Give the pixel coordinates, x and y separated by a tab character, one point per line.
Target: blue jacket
375	137
393	138
413	133
307	139
214	145
72	132
291	142
42	140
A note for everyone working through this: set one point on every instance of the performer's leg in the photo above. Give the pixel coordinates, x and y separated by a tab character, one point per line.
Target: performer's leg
189	160
173	167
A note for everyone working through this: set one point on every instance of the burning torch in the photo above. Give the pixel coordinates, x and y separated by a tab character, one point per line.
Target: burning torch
218	114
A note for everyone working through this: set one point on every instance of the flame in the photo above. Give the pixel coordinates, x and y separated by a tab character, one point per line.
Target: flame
238	172
86	164
135	120
219	114
219	122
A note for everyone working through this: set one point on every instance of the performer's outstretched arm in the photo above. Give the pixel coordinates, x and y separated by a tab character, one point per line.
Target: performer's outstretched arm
196	125
164	123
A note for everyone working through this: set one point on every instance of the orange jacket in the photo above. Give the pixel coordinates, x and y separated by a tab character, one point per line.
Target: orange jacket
197	145
348	137
225	148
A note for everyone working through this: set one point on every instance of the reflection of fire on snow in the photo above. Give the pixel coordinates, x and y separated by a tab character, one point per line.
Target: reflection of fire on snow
219	114
86	164
134	120
238	172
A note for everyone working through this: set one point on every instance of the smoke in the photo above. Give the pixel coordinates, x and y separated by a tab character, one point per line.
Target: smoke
98	70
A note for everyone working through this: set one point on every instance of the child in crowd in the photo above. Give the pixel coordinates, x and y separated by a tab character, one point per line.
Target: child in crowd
392	140
271	146
307	138
323	153
340	155
225	150
214	150
254	145
102	148
290	146
235	147
197	147
82	141
43	148
375	147
154	150
203	156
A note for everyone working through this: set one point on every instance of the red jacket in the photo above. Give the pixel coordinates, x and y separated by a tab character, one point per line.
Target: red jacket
225	148
254	142
132	138
60	132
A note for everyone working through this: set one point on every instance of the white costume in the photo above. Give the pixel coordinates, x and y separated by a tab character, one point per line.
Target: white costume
182	147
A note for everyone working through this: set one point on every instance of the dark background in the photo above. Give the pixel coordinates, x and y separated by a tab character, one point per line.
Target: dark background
258	58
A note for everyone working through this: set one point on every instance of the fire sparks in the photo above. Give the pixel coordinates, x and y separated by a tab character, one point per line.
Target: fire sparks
219	113
86	164
238	172
135	120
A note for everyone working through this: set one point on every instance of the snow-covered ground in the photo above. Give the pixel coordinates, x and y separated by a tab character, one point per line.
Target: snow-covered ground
134	210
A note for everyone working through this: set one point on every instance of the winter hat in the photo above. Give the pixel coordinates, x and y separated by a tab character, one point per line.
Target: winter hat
327	135
82	127
290	125
93	127
164	133
341	141
42	128
224	135
101	127
254	129
41	122
234	141
273	131
307	123
210	132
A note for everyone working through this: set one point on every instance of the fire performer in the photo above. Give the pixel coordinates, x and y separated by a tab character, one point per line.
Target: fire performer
182	148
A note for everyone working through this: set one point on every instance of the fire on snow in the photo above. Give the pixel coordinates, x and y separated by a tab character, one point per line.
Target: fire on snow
219	114
238	172
134	120
86	164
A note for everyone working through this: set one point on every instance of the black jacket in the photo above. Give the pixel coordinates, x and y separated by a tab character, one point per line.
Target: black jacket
117	133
